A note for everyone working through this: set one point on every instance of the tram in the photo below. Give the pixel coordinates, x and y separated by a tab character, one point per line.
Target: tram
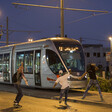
42	61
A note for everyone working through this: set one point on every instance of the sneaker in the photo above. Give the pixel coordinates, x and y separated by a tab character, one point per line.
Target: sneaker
15	101
102	100
16	105
83	97
66	104
60	100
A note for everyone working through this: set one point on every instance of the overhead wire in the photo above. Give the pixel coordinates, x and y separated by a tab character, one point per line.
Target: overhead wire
87	17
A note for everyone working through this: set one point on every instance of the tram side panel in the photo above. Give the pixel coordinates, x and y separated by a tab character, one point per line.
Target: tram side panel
35	50
48	77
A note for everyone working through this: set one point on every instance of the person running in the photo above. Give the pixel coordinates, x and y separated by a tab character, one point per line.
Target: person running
20	75
62	80
91	71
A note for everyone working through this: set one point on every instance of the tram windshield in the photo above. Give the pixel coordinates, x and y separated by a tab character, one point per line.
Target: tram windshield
72	54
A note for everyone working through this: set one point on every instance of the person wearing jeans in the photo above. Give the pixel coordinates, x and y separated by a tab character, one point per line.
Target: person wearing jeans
19	94
91	70
20	75
63	81
64	91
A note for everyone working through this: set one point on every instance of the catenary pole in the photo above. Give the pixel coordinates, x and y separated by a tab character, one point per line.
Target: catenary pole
61	13
62	17
7	37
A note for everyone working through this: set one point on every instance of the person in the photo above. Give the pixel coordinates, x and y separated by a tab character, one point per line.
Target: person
91	70
20	75
62	80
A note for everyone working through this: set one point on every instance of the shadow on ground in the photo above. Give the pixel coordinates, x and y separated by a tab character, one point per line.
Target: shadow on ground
62	107
11	109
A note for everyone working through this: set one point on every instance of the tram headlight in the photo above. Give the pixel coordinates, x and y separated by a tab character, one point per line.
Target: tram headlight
86	76
78	73
71	51
69	77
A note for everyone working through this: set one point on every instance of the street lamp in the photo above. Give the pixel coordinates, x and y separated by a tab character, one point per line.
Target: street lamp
1	33
0	13
110	38
110	62
30	40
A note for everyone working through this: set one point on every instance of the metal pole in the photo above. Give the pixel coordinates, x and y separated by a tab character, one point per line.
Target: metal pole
110	62
62	11
111	45
33	5
7	38
62	17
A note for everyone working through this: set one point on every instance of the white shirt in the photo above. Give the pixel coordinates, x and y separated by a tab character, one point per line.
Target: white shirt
63	81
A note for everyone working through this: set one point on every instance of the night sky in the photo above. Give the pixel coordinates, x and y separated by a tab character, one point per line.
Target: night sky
93	29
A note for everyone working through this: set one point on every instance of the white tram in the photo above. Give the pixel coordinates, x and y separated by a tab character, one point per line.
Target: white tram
42	60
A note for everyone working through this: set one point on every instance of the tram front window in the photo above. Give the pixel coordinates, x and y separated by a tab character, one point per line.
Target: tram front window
54	62
72	54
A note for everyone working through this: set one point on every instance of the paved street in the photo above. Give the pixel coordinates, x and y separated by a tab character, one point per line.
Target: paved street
38	100
33	104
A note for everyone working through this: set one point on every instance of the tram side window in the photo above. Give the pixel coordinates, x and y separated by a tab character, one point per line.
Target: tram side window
37	61
28	62
1	62
19	59
54	62
6	62
27	59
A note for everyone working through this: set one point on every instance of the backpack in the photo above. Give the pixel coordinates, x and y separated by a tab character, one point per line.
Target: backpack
14	78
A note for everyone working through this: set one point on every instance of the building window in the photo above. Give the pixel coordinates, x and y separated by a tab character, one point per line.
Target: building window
98	54
88	54
94	54
104	54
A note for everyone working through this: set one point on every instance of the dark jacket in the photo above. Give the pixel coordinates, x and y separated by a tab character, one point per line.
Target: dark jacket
92	72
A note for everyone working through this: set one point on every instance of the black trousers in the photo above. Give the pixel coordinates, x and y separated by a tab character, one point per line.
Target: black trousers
19	94
64	91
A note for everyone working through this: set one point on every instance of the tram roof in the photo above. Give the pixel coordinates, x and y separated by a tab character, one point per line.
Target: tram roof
41	40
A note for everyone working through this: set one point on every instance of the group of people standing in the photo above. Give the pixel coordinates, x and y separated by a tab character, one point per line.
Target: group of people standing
62	80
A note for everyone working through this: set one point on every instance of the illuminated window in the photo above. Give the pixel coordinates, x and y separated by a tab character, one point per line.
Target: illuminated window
6	62
1	62
19	59
28	62
27	58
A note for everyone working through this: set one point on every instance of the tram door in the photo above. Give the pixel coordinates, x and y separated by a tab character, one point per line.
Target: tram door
37	67
6	62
